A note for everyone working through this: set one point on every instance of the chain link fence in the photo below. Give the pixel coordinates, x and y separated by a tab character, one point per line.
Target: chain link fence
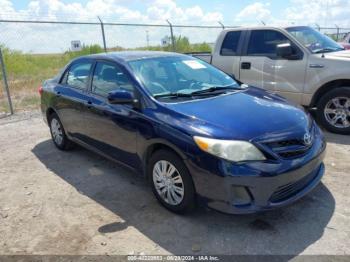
36	50
336	33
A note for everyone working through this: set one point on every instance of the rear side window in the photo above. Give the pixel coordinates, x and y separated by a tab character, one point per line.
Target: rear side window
230	43
109	77
264	42
77	75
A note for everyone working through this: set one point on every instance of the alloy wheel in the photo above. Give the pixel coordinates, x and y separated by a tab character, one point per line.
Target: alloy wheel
337	112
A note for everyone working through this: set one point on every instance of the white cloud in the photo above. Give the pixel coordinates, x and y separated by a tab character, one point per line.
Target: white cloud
255	11
322	12
56	38
6	6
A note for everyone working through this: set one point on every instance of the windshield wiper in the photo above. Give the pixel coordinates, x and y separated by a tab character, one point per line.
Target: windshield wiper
206	91
327	49
173	94
215	88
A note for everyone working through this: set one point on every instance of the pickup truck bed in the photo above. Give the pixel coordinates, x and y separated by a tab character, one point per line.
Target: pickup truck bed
205	56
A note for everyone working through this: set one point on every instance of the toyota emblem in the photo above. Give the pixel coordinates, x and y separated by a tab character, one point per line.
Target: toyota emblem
307	139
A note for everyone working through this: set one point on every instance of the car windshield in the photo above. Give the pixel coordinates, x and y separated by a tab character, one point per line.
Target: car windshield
314	40
180	76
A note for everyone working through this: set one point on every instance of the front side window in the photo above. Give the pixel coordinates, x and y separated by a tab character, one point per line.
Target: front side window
178	74
230	44
264	42
78	75
314	40
109	77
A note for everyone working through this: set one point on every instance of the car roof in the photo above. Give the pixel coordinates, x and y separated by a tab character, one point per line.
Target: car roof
131	55
261	27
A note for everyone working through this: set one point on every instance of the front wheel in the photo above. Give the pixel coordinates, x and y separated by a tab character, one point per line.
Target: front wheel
333	110
171	182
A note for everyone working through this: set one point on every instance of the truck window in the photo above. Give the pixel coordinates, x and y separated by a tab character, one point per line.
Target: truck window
264	42
230	44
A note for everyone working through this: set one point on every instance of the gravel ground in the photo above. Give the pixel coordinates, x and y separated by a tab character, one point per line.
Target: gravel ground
76	202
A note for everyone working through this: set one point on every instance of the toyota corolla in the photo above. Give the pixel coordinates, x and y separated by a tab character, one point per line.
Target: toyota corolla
196	133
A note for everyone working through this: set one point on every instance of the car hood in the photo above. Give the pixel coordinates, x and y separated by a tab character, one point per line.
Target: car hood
247	115
345	54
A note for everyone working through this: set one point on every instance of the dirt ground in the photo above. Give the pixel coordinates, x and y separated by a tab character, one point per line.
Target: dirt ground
76	202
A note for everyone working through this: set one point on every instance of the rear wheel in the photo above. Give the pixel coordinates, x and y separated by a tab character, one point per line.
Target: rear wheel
334	110
58	134
171	182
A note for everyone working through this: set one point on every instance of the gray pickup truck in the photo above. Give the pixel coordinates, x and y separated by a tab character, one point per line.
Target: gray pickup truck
296	62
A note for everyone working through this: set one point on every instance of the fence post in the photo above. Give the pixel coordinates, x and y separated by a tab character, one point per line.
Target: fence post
222	25
318	27
172	36
103	34
337	32
4	76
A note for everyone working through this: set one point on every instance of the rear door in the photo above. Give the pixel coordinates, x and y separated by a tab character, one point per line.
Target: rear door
227	58
260	66
71	96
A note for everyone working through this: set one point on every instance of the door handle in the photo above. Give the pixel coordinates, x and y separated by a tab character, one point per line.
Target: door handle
316	66
245	65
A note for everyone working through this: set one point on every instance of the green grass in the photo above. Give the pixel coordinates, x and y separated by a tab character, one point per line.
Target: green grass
26	72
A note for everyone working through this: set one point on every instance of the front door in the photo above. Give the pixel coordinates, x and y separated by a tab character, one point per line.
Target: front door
260	66
112	129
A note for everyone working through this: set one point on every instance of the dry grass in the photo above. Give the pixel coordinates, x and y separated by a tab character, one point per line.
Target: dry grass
24	92
24	95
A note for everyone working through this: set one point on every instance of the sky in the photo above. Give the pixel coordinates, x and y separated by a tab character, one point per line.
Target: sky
189	12
322	12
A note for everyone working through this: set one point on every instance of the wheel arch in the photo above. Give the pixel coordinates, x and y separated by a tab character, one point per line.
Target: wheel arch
327	87
49	112
159	145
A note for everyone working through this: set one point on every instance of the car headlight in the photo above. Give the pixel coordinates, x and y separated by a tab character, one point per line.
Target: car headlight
233	150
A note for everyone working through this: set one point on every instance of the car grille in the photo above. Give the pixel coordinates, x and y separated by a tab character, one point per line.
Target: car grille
289	148
288	190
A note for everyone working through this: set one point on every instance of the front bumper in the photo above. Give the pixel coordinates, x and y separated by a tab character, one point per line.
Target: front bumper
253	187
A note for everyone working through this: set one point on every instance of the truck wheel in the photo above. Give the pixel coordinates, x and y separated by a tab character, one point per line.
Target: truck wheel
171	182
333	110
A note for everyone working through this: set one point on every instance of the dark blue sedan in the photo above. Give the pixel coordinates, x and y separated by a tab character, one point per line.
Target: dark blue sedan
192	130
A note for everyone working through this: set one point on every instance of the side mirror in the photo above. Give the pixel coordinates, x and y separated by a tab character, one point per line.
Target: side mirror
284	50
121	97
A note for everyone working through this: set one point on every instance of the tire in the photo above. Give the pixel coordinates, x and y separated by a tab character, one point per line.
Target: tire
58	133
335	117
178	203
